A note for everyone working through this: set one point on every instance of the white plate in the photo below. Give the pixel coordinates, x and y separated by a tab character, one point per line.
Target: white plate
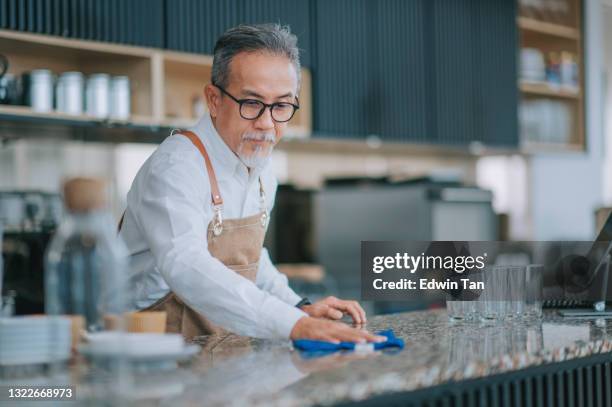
145	344
27	358
187	352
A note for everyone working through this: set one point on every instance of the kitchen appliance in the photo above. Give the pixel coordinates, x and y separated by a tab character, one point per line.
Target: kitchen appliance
326	227
10	90
30	210
29	219
350	211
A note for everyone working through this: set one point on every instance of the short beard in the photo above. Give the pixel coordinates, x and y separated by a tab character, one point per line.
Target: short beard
260	156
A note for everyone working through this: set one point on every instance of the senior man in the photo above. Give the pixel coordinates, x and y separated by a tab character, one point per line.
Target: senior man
198	208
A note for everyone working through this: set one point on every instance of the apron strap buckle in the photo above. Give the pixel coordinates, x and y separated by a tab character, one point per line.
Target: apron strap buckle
218	220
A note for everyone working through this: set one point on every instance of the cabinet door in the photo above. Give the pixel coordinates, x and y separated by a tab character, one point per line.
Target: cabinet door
474	65
427	71
344	91
497	104
400	64
454	85
296	14
195	25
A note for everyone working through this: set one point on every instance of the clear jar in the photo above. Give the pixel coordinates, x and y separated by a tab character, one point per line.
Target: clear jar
86	264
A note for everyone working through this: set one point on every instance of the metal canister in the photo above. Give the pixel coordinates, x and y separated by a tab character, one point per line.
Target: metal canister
120	97
69	93
10	89
97	95
41	90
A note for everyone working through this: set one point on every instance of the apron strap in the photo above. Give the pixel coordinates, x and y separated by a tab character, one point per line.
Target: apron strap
214	187
262	193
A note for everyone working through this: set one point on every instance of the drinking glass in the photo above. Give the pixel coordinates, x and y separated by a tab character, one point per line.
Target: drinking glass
492	306
516	293
533	290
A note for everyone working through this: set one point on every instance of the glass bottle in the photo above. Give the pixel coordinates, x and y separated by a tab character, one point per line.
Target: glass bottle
86	262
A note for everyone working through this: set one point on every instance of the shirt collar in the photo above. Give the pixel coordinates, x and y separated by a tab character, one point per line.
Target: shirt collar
225	162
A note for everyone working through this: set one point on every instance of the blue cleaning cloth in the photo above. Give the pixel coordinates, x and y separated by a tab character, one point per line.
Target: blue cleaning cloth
311	345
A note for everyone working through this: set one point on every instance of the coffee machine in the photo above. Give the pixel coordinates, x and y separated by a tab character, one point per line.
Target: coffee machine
29	219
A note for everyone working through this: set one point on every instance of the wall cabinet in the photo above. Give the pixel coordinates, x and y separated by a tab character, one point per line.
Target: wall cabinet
551	76
164	84
427	71
440	72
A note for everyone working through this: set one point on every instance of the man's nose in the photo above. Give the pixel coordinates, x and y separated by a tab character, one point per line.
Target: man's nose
265	122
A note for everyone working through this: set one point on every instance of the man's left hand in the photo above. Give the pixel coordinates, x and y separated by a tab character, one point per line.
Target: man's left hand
335	308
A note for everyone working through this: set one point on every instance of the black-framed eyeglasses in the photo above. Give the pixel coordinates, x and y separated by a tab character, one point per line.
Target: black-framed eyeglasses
252	109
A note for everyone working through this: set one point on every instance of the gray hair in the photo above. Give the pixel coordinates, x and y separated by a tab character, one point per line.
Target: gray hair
273	38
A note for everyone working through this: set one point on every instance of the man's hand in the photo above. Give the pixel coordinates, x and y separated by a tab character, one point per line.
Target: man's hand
331	331
334	308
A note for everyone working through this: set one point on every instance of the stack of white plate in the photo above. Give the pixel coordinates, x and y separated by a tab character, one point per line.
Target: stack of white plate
34	340
145	352
133	344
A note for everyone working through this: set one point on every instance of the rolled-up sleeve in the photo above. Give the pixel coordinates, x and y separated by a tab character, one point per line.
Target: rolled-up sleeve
174	211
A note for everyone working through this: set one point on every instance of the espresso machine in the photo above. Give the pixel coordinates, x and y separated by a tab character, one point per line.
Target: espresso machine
29	219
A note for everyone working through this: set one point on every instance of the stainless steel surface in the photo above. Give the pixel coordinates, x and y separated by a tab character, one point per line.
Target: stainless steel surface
345	215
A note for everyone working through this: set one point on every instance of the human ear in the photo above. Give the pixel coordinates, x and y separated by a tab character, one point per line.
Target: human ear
212	96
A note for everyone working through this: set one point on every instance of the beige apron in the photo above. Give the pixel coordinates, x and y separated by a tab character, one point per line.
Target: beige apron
237	243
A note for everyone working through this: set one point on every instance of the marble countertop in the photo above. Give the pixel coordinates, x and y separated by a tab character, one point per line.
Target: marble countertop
256	372
242	371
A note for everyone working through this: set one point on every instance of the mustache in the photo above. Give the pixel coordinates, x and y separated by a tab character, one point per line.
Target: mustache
268	136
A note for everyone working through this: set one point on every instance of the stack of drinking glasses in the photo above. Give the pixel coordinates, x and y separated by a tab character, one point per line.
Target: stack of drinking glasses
510	292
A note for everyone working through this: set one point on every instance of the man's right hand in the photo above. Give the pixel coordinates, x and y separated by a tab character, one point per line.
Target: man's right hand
331	331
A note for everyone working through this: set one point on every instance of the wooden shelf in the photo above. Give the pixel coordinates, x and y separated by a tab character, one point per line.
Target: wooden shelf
535	147
164	83
543	89
561	109
26	112
21	38
556	30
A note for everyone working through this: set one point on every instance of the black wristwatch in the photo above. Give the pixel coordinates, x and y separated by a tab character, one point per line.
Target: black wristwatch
304	301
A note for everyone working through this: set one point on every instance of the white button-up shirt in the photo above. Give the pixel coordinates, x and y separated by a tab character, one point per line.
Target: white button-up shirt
168	211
